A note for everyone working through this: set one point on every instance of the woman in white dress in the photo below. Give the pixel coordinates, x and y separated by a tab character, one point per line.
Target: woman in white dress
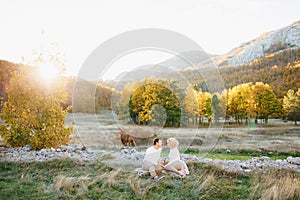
175	165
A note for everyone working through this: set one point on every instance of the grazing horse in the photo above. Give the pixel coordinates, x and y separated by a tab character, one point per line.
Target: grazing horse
127	139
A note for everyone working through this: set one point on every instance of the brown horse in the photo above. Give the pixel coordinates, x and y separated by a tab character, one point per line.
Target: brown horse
127	139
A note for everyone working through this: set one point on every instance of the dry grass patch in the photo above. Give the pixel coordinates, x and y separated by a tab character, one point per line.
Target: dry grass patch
276	185
64	186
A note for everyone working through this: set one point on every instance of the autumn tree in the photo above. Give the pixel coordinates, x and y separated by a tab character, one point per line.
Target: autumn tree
205	106
33	113
265	102
240	102
291	105
149	94
191	106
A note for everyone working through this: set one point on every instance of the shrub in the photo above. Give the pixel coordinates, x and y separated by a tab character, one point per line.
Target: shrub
33	113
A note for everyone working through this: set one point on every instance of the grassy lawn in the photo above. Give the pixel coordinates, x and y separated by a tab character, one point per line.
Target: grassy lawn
242	154
69	179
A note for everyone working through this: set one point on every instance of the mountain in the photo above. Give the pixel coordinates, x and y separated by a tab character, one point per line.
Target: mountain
268	44
186	59
272	42
143	71
164	69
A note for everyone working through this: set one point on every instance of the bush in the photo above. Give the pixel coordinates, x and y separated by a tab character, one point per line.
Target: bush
33	113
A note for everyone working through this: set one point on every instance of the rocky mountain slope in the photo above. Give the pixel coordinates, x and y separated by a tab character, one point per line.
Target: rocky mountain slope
272	42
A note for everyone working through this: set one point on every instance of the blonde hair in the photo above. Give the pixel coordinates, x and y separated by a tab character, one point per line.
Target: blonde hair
173	142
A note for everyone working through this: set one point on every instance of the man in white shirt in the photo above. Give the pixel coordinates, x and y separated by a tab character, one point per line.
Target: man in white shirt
152	161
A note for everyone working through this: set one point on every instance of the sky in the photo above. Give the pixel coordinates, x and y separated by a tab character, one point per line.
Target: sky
79	27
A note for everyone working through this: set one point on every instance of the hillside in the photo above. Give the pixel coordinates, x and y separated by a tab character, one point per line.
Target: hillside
6	68
272	42
281	71
159	70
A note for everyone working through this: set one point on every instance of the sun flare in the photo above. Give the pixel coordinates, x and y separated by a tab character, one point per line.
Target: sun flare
48	72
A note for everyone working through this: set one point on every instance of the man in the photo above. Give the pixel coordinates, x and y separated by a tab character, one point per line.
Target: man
151	161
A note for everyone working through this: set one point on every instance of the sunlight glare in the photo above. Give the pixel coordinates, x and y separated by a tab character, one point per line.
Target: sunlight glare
48	72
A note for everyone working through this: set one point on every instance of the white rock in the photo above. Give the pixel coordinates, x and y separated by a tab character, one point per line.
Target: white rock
295	161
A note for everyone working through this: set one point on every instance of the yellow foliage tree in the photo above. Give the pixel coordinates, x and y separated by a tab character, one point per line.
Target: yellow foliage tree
33	113
240	102
205	106
191	106
148	95
265	102
291	105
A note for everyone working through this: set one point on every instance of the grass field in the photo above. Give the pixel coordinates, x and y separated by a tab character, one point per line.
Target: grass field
69	179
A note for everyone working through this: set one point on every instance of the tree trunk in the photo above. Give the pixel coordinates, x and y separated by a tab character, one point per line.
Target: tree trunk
266	121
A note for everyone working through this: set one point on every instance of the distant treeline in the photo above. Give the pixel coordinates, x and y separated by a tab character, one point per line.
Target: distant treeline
159	102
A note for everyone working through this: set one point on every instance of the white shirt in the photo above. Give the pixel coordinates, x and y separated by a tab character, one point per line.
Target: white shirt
152	155
174	155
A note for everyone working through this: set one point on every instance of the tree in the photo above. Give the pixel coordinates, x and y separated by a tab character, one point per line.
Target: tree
205	106
291	105
240	102
33	113
208	109
265	102
190	104
224	104
149	94
217	107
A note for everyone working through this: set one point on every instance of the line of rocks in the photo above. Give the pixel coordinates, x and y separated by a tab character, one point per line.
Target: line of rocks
261	164
26	154
135	158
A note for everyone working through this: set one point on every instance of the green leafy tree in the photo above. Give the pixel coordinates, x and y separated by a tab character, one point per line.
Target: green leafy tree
208	108
217	107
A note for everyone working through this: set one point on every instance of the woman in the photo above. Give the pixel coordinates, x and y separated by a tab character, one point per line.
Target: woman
175	165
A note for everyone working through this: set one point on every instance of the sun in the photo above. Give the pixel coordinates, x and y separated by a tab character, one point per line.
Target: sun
48	72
